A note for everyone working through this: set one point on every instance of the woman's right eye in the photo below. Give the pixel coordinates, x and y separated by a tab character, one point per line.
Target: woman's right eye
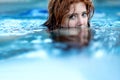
72	16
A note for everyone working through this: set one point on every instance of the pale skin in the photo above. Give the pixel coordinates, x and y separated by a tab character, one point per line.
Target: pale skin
77	16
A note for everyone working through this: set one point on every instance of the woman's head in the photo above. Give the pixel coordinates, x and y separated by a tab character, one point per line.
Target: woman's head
69	13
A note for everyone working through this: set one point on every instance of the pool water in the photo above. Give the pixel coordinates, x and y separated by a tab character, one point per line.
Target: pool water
27	50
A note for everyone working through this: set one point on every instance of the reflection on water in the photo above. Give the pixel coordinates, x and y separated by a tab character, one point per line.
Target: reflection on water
76	37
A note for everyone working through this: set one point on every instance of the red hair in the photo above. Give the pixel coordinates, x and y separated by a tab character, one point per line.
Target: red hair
59	8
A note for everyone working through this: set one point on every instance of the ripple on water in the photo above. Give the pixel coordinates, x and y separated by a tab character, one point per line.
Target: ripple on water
18	26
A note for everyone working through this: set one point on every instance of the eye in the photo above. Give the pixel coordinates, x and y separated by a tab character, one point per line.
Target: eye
72	16
84	14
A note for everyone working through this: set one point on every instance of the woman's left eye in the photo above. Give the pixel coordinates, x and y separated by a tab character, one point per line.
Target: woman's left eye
84	14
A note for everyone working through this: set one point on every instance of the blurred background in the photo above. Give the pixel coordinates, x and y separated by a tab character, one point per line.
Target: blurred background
14	7
22	7
107	2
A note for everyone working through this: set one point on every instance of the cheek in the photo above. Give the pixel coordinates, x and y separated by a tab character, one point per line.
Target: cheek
69	23
65	23
86	21
72	23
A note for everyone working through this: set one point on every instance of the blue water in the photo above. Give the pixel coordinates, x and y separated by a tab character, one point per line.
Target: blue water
27	50
29	31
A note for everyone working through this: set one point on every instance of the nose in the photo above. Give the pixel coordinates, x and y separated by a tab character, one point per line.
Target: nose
80	21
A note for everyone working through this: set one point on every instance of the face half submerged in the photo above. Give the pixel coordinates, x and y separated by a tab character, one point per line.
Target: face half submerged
69	13
77	16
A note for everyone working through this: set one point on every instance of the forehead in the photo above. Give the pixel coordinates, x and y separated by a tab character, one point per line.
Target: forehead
77	7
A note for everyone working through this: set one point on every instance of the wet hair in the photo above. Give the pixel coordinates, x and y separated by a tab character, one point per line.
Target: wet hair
58	9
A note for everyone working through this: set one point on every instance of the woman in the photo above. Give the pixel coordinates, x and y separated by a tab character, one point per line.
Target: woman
69	13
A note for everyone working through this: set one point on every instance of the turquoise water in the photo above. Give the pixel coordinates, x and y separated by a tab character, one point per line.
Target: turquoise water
30	32
27	50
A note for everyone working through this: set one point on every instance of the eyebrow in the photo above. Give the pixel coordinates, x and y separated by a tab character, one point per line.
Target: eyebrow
77	13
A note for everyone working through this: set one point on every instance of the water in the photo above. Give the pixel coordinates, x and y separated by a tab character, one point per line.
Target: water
28	51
